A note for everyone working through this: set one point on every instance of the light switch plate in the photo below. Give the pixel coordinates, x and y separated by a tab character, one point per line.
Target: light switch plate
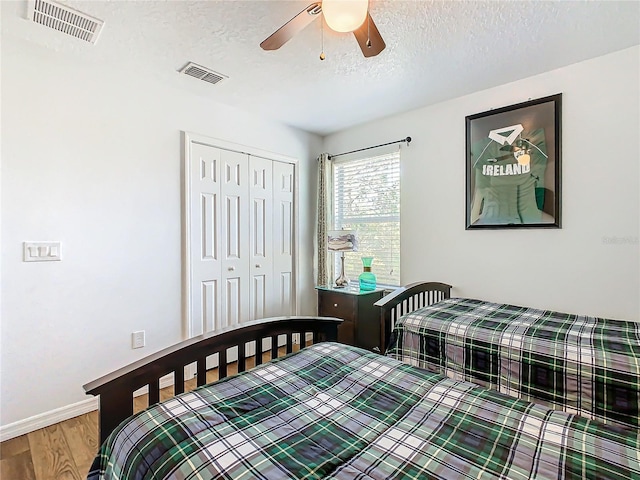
42	251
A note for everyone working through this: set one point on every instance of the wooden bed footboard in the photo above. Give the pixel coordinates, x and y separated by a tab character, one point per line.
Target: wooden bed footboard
405	300
116	389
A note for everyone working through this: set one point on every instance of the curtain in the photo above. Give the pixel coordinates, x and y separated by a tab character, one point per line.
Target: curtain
323	219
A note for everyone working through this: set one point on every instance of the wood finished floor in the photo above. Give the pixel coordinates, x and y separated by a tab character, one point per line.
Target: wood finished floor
65	450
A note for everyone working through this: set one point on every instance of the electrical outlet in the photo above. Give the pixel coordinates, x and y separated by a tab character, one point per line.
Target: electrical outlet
137	339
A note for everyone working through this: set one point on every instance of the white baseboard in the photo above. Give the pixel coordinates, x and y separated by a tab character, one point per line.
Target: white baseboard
61	414
45	419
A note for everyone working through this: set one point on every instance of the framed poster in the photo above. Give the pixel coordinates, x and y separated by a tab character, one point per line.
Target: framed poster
513	166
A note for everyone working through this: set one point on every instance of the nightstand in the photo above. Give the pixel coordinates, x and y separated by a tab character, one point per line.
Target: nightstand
361	326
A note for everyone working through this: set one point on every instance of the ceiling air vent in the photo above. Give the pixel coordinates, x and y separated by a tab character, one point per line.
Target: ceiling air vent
65	19
203	73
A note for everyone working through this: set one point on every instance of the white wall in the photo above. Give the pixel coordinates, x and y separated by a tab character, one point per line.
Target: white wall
592	264
92	158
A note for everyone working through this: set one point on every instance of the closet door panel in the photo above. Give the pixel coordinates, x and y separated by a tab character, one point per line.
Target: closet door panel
283	237
261	237
234	232
204	237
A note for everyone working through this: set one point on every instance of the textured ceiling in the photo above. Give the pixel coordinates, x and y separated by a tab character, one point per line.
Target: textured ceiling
436	50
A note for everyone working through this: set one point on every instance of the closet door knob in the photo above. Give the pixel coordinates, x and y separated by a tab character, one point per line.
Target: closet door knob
231	269
257	265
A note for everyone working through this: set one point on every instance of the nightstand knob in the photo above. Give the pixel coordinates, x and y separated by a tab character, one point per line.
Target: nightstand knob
335	304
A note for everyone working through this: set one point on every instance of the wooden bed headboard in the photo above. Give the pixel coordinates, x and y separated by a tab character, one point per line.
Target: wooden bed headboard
405	300
116	388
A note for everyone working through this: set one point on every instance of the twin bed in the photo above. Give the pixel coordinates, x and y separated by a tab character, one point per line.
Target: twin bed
466	389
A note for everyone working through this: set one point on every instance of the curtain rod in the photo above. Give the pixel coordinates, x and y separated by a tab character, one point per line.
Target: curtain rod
407	140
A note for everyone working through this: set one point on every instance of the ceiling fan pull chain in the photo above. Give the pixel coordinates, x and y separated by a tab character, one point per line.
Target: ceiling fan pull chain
322	55
368	29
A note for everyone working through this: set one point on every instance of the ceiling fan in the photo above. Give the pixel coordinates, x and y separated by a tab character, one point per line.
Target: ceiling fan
341	16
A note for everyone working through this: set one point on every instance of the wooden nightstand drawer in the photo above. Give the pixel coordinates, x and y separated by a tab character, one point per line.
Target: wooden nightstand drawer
337	305
361	326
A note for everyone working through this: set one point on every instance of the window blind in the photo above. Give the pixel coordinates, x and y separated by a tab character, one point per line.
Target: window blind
367	199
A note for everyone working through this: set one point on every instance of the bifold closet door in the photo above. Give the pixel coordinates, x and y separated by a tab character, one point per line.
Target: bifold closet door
204	238
261	238
234	235
240	233
283	300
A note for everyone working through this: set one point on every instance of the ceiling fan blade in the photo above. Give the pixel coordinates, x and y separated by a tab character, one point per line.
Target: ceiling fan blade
292	27
369	31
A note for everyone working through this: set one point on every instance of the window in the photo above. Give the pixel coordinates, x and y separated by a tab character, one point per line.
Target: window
366	198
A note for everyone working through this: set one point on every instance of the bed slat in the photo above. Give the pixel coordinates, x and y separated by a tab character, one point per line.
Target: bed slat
178	380
222	364
201	376
154	391
258	351
242	363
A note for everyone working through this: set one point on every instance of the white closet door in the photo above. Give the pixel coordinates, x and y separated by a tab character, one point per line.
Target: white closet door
283	238
234	233
239	234
261	237
204	237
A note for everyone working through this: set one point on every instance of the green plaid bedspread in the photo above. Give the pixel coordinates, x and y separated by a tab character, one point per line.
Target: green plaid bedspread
578	364
337	412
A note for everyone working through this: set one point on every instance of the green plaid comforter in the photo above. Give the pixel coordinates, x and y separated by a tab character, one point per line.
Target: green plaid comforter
574	363
337	412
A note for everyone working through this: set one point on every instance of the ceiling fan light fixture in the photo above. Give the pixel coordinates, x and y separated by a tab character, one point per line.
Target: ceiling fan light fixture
345	15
